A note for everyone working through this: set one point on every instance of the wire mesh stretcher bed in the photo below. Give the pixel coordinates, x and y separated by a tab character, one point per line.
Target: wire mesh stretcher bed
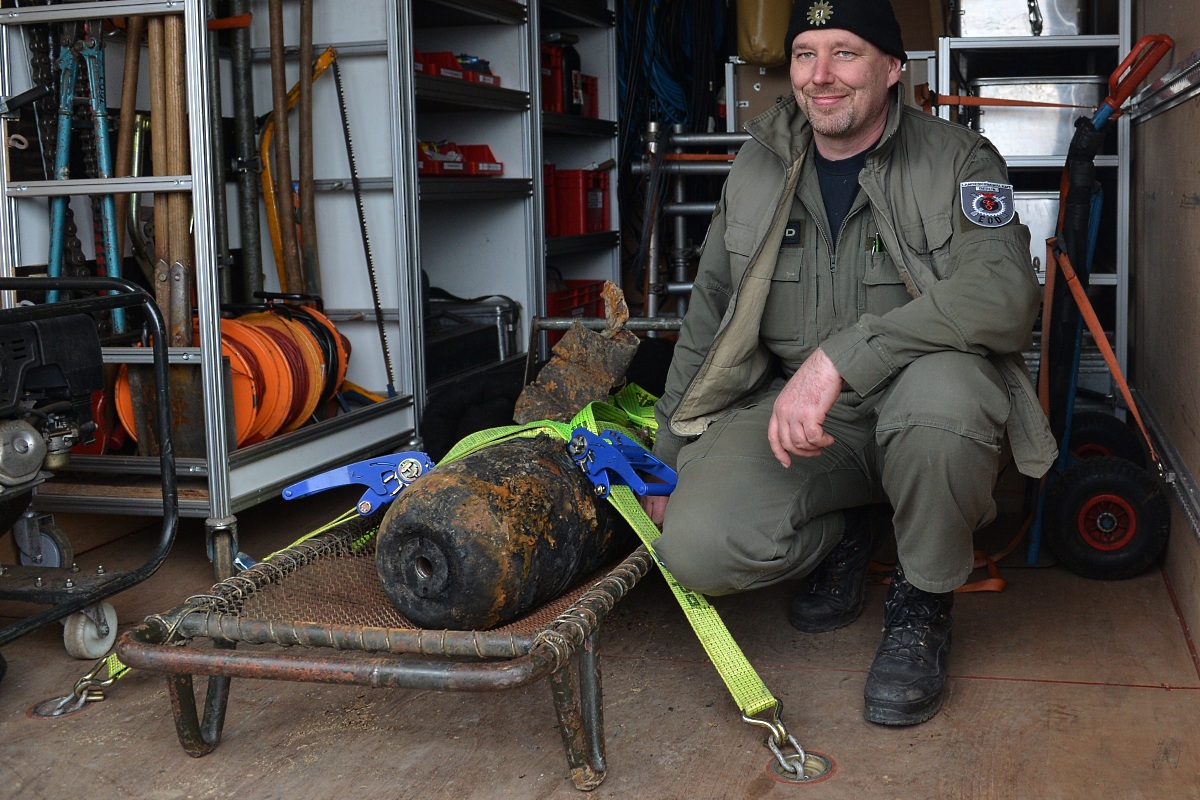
321	603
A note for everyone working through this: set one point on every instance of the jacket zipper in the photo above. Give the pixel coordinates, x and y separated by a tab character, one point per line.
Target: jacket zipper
832	253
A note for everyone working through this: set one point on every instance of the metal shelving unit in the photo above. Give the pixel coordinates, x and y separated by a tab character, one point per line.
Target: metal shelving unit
1113	166
226	480
478	235
571	142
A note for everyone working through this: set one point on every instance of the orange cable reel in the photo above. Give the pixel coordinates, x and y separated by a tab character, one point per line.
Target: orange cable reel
303	355
243	386
275	388
335	347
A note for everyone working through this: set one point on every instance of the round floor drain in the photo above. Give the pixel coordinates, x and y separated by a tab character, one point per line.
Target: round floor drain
815	767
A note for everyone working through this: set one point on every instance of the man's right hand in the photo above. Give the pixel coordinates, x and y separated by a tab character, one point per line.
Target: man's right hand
796	422
655	506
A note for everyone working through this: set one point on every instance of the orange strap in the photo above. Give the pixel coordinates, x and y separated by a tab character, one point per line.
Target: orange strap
930	99
992	583
229	23
1110	358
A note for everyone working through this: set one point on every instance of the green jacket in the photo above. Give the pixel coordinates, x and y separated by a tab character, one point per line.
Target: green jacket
974	287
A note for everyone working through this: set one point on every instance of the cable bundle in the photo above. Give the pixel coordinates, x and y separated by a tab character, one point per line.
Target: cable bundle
671	52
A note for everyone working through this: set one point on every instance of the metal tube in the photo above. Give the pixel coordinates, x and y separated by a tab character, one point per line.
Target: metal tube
283	158
179	211
653	267
158	160
71	12
247	152
122	166
220	207
690	209
684	168
109	222
600	323
216	445
311	269
68	68
10	246
139	648
679	261
681	139
591	705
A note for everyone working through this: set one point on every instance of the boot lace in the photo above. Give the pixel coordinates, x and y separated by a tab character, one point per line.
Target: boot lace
909	616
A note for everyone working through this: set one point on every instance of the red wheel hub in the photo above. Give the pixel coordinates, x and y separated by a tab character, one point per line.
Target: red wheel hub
1107	522
1092	450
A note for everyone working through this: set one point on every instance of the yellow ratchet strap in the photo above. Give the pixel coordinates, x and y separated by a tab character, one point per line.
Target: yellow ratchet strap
632	408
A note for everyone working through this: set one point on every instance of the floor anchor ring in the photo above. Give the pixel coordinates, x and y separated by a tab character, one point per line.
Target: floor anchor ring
815	767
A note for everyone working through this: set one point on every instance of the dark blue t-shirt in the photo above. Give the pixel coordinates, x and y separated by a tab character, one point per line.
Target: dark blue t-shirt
839	186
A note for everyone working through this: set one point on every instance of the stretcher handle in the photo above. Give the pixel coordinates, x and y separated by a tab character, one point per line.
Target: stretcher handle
1144	57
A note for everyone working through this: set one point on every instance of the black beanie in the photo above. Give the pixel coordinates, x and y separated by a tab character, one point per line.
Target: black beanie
873	20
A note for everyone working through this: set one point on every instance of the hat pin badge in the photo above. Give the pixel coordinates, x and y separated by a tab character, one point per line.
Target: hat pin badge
819	12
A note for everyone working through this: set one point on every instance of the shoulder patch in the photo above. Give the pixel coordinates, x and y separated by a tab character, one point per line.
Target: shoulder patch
989	205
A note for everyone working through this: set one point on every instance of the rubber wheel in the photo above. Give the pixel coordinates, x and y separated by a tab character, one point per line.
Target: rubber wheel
56	549
1106	519
81	637
1096	433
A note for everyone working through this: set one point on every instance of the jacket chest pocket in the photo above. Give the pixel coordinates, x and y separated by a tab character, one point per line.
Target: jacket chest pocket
882	287
740	243
787	314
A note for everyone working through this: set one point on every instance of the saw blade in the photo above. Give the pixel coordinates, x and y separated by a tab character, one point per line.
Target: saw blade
362	224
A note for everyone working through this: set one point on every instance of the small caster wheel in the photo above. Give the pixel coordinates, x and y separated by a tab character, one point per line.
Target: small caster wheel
56	549
82	637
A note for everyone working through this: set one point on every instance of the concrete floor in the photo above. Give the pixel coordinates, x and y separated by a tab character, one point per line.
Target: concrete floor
1060	687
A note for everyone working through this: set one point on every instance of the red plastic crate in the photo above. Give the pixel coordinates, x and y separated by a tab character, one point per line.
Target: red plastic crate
552	79
582	197
480	161
444	64
551	202
418	61
579	298
591	96
484	78
429	164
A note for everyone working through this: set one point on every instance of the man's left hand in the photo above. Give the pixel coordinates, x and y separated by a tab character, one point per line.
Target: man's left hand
801	408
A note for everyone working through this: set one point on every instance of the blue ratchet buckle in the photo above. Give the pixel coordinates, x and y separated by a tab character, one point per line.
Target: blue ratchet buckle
384	476
613	456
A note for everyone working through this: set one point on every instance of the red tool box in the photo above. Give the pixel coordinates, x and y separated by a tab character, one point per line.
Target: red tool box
582	198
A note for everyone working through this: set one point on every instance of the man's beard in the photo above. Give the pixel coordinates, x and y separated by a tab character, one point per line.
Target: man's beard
833	125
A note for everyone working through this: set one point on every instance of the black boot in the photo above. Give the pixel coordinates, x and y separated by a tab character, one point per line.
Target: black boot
906	680
831	596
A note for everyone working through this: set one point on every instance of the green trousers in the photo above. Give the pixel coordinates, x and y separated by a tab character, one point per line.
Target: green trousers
930	445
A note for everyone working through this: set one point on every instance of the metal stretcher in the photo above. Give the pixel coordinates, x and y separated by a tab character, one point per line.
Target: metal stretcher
320	602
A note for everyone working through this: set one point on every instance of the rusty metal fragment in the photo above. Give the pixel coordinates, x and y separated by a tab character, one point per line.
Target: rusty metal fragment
584	366
486	537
